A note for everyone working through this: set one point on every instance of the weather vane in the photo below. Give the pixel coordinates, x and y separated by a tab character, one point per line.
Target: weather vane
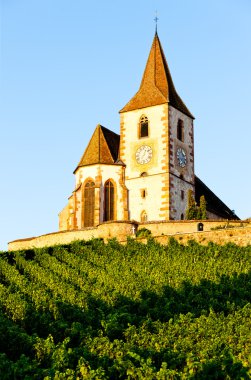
156	19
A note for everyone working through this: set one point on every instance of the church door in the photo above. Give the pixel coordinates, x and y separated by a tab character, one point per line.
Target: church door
89	204
109	201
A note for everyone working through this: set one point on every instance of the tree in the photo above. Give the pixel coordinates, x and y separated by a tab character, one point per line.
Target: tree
191	212
203	208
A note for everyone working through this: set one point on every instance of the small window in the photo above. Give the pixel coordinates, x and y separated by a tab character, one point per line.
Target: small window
143	216
182	217
143	127
182	194
143	193
180	130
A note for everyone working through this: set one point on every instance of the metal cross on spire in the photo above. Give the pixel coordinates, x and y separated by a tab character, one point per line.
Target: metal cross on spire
156	20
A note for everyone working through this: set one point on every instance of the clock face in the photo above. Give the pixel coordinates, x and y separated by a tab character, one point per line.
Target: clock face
182	158
144	154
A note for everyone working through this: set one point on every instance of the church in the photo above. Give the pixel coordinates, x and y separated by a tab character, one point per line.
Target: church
146	172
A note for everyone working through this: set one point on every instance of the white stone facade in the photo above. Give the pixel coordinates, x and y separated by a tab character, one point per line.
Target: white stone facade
71	217
144	180
148	193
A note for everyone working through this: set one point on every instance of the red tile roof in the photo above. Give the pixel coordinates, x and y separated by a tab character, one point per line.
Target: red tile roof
157	85
103	148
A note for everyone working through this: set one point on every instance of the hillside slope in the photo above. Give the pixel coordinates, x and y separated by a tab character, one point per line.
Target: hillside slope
91	310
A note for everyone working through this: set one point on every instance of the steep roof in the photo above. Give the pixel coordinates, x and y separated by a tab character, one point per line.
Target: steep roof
103	148
157	85
214	204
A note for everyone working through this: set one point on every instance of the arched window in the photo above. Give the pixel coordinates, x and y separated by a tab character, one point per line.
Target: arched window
143	216
89	204
109	201
143	127
180	130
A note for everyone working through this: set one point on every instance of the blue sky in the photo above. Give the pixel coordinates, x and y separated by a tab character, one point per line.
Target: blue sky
68	65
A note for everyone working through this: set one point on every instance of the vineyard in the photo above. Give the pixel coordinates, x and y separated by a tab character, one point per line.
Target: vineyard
90	310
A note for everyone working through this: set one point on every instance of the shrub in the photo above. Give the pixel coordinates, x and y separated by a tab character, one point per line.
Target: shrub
143	233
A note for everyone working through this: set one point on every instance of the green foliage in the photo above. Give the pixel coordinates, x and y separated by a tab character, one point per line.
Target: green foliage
143	233
203	208
90	310
193	211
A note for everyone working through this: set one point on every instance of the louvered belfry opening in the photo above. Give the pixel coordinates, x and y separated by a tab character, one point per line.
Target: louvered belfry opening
143	127
89	204
109	201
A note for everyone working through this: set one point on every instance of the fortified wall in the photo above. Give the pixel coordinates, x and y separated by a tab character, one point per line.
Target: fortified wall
238	232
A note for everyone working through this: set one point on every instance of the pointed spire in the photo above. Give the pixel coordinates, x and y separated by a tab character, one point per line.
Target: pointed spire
156	85
103	148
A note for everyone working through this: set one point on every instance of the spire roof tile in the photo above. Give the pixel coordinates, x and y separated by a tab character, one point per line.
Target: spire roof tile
157	85
103	148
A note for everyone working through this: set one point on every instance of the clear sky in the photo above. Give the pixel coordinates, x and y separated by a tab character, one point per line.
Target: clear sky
67	65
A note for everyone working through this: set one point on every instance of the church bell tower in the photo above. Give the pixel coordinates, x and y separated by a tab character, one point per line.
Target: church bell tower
157	145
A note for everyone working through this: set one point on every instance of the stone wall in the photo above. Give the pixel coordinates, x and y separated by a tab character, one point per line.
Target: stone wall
239	233
186	226
107	230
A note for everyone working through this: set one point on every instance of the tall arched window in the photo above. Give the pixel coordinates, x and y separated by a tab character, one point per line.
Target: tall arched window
109	201
180	130
143	127
89	204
